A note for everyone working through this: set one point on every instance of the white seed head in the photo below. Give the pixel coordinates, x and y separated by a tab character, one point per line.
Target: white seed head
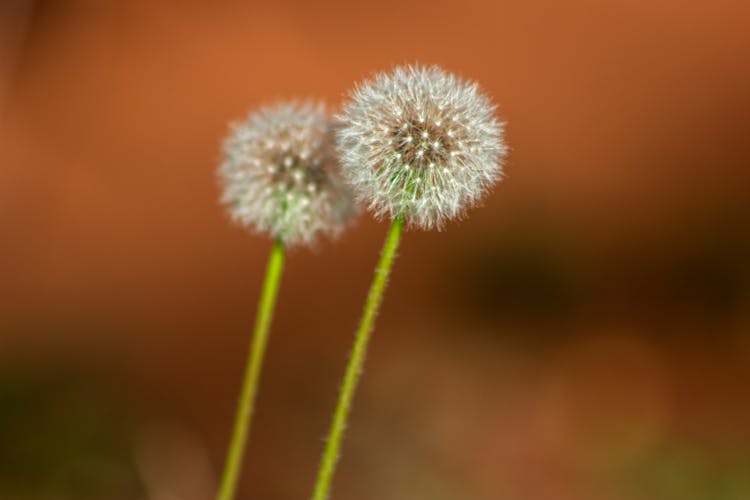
421	143
279	174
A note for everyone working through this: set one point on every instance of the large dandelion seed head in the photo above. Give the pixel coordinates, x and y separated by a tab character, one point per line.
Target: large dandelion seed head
420	143
279	174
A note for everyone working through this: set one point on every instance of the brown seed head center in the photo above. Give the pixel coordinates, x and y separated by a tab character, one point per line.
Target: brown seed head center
422	143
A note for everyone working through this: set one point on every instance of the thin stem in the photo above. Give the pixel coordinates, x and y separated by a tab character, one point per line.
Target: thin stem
356	361
245	408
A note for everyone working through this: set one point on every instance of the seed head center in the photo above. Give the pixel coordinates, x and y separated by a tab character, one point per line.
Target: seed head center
297	175
422	143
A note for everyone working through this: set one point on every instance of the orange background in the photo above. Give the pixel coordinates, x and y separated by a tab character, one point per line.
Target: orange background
583	335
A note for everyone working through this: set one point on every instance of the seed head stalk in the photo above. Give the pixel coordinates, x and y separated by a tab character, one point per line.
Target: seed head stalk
244	416
356	361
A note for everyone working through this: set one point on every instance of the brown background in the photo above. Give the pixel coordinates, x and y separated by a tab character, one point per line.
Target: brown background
583	335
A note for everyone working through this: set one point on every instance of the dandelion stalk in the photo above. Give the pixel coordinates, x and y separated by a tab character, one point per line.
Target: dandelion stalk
356	361
279	177
249	391
420	146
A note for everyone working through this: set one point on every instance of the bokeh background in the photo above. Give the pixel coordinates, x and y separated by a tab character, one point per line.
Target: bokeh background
583	335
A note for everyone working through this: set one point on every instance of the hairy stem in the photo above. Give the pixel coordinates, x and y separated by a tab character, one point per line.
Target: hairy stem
356	361
249	390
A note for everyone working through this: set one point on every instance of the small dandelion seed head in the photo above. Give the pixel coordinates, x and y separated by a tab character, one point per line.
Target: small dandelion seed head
279	176
421	143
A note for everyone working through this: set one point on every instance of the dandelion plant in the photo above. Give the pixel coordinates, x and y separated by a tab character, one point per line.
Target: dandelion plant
279	177
419	146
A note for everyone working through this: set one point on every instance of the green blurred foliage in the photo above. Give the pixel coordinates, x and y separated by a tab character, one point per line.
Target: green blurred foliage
63	436
681	471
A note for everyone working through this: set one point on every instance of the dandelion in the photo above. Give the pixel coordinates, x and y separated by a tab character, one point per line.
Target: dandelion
279	177
419	146
420	143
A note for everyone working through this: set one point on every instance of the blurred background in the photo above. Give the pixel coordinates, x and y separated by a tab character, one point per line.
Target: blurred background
583	335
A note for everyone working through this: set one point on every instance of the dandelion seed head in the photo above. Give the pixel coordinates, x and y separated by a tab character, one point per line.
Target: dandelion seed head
421	143
279	176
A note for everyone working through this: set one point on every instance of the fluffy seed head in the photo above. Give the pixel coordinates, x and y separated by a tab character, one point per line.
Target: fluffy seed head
279	175
421	143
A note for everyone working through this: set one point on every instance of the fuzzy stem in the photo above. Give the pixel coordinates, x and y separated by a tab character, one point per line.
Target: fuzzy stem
246	405
356	361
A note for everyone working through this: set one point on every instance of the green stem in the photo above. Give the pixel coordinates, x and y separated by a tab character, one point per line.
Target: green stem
356	360
245	408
